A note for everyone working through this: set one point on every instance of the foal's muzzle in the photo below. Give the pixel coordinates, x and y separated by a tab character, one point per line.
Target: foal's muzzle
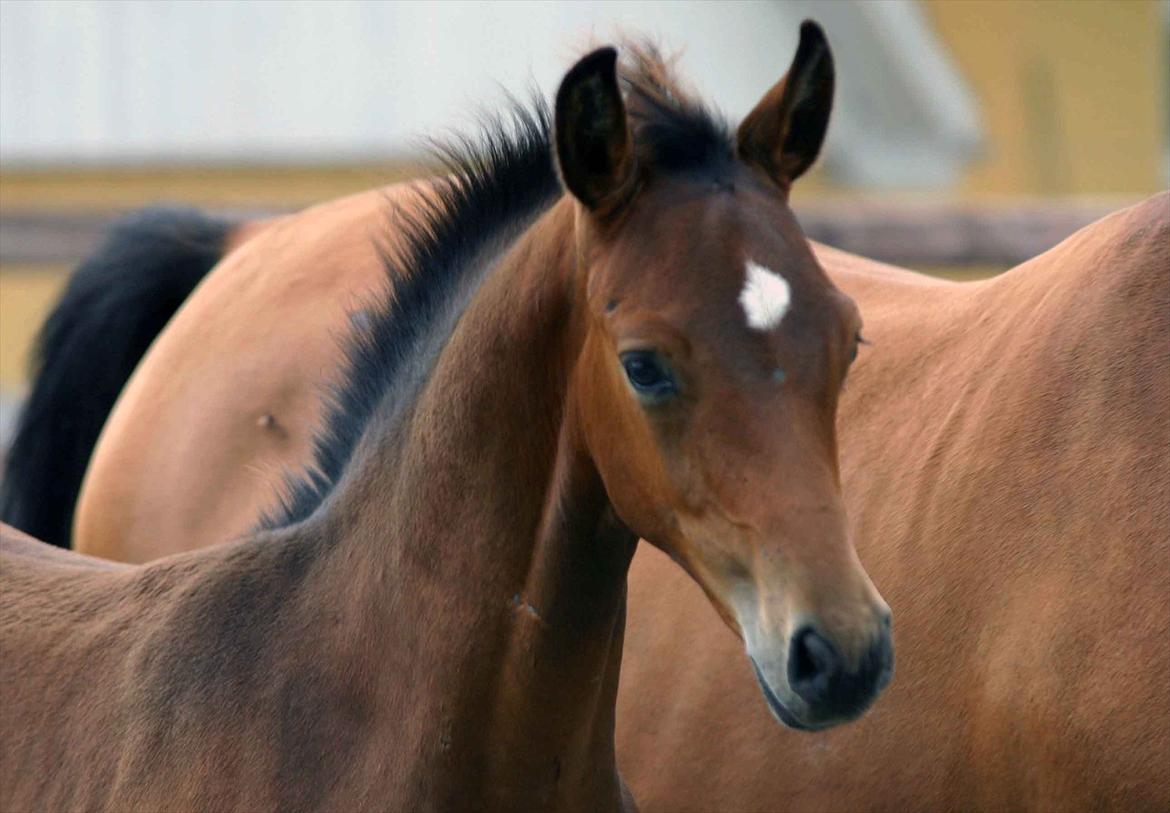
818	675
822	689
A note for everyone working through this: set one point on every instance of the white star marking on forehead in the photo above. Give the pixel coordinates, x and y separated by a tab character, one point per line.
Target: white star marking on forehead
765	297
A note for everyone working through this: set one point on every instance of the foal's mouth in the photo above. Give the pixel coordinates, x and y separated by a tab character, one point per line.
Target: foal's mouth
778	709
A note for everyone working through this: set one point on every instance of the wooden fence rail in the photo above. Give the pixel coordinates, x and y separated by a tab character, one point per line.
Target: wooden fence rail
915	235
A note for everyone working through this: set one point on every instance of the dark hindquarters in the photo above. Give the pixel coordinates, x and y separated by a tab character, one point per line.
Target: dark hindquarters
118	300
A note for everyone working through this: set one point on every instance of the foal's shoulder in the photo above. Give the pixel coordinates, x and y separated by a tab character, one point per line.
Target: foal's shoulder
49	592
17	546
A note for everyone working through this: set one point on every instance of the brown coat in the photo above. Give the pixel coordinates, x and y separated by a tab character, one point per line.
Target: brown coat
1005	452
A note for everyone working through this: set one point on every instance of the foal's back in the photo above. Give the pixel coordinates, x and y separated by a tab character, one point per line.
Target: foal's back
130	707
80	606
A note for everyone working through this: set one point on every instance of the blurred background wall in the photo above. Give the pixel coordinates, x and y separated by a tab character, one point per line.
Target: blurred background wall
967	132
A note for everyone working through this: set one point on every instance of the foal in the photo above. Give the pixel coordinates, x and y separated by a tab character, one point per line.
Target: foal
435	620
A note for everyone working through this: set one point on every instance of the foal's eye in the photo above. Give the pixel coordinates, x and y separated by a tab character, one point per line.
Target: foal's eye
858	340
647	374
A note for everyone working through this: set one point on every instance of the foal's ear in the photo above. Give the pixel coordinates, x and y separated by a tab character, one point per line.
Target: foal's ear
783	134
595	151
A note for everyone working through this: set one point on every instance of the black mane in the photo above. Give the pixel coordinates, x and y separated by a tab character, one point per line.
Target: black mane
508	175
498	185
673	131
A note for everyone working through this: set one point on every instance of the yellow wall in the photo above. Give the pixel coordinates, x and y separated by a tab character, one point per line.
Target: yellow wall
1072	93
104	189
26	294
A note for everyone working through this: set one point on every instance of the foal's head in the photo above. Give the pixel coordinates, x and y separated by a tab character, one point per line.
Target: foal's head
714	356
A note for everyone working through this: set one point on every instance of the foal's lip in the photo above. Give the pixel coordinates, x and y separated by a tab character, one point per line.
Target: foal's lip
778	708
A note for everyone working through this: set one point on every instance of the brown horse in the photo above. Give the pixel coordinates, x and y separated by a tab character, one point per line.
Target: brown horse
435	616
1005	454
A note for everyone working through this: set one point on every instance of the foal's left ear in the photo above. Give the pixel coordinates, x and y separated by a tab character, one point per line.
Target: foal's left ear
783	134
595	150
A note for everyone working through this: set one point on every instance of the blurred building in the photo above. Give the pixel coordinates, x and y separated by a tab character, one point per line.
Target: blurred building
129	83
1013	96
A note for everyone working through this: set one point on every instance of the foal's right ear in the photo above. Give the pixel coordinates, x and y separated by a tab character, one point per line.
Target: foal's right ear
595	150
783	134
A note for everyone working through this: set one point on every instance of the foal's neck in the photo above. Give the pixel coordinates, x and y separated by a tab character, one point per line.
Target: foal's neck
477	538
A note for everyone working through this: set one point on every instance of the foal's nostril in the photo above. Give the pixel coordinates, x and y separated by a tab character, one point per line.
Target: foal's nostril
812	663
819	676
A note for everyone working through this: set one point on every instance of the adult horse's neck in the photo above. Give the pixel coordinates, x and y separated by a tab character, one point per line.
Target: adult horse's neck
475	559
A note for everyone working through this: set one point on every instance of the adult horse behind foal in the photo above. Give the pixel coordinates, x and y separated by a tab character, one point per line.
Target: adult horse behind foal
435	617
1005	456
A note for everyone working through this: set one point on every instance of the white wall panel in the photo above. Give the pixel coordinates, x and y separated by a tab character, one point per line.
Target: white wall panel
167	80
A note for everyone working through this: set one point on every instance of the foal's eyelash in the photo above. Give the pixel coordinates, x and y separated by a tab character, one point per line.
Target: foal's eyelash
859	340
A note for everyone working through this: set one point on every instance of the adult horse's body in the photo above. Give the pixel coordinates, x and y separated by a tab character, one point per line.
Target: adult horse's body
291	286
1005	453
1004	450
434	616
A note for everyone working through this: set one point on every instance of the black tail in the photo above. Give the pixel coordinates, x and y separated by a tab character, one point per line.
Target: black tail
118	300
